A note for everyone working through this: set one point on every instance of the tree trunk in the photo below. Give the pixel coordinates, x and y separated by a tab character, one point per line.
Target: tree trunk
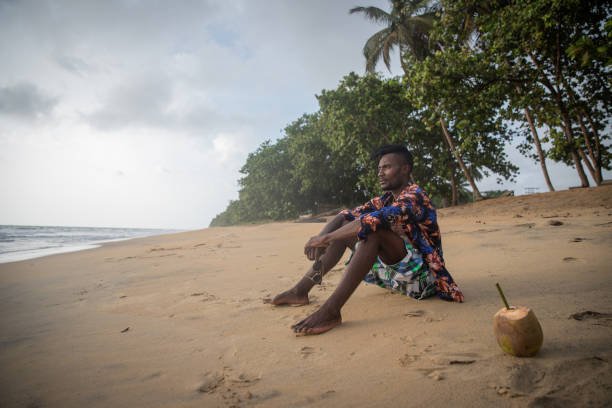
567	124
567	130
453	179
597	143
536	140
595	171
588	164
454	190
593	167
453	149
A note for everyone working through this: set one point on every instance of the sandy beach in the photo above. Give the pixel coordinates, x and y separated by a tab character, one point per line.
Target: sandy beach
180	320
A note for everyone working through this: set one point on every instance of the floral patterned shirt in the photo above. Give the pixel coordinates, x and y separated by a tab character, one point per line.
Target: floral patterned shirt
413	211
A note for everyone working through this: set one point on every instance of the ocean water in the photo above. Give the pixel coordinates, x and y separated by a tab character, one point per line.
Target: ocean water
20	242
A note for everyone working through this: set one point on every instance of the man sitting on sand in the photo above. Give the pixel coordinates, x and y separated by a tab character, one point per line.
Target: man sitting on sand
395	241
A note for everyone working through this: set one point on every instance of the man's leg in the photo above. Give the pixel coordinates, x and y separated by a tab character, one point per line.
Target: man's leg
384	243
298	295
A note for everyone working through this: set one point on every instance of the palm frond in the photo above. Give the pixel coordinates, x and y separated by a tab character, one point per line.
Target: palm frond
409	23
373	48
373	13
390	42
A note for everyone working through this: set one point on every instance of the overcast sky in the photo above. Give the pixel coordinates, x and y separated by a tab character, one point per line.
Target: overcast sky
140	113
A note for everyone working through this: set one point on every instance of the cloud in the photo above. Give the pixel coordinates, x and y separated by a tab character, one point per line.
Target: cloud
227	146
25	100
74	65
138	101
165	102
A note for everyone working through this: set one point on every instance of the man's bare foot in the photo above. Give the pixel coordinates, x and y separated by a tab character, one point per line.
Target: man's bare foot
319	322
290	298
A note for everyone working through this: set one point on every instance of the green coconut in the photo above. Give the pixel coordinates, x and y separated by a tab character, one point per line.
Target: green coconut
518	331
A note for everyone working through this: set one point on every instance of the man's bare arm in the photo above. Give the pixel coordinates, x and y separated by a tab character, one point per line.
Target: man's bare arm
323	240
349	230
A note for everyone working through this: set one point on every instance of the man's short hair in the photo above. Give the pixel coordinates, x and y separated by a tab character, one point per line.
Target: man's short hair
394	148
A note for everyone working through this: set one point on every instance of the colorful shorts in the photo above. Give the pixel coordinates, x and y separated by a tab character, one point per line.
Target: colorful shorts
410	276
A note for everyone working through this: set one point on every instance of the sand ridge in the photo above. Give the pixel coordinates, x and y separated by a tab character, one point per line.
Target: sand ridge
180	320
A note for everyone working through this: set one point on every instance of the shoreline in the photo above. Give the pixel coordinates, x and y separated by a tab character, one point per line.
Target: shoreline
35	253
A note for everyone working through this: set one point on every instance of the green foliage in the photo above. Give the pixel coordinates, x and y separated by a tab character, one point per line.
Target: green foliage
364	113
456	84
473	68
324	159
549	56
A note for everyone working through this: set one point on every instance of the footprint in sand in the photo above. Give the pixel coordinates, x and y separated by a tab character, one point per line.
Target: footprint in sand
262	396
241	379
314	400
428	348
306	351
521	379
576	383
212	380
152	376
599	319
225	381
165	255
164	249
589	314
414	313
408	359
436	375
206	297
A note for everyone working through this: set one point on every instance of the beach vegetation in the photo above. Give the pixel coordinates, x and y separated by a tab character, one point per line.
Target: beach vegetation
478	77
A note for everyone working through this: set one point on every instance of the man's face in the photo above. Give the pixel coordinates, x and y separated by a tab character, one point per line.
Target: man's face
392	171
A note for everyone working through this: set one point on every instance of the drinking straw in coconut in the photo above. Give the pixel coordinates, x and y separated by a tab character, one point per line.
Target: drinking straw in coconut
501	293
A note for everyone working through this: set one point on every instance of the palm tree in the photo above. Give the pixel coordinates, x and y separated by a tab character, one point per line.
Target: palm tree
407	27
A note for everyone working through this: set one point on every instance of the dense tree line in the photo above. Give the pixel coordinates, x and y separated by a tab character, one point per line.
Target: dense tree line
476	76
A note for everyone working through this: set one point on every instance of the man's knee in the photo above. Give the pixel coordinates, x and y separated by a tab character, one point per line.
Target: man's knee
345	221
337	222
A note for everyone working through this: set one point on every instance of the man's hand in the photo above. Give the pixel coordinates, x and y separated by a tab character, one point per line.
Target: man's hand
316	246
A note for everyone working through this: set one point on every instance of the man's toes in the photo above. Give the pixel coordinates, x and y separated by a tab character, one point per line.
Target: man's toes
301	326
298	324
303	331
